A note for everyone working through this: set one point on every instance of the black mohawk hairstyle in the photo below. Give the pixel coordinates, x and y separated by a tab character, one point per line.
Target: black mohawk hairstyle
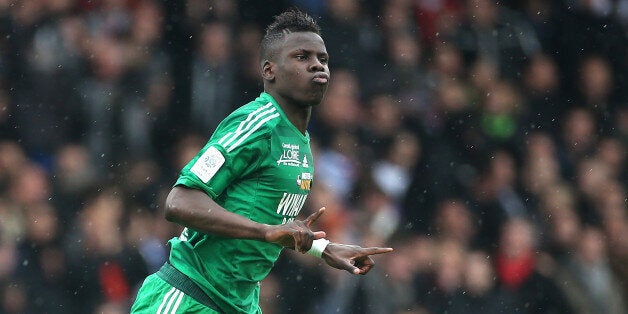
293	20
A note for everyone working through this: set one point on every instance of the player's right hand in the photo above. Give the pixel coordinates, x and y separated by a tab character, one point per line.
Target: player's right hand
352	258
297	234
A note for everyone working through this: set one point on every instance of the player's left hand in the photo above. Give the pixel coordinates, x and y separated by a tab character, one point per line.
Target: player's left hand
296	234
352	258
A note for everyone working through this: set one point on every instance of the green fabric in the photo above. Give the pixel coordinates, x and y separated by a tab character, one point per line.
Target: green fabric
157	296
265	176
183	283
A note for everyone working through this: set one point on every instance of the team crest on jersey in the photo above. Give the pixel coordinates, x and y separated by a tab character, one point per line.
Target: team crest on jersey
304	181
290	156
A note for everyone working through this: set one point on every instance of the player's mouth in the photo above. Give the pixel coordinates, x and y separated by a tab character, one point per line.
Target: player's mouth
321	78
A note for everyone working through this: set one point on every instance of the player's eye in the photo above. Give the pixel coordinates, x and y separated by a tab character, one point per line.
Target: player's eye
301	57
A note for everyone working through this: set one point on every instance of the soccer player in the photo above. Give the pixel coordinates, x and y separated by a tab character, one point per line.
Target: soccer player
238	198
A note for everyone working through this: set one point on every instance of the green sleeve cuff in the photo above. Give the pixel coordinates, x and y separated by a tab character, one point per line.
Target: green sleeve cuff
194	183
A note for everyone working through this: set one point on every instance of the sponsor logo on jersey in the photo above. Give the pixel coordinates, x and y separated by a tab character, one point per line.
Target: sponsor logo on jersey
291	204
304	181
290	155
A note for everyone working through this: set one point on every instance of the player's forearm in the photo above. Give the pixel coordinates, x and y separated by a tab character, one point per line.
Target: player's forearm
194	209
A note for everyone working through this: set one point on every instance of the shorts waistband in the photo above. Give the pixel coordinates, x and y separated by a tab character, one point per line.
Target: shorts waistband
179	280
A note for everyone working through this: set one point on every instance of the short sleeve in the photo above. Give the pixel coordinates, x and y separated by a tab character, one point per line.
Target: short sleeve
232	153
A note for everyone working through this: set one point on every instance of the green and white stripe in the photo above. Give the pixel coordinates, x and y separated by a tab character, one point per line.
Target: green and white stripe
167	306
247	127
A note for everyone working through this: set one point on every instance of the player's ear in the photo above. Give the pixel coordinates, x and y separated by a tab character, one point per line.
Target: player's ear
268	70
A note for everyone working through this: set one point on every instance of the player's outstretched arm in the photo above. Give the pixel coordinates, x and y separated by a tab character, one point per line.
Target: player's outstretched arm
352	258
195	209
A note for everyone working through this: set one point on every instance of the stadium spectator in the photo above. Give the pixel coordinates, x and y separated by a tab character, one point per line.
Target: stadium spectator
213	77
496	33
587	280
517	272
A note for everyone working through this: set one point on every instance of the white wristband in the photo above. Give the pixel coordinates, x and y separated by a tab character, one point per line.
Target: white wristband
318	246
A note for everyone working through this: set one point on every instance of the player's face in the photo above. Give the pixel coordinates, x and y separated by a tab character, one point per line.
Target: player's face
301	69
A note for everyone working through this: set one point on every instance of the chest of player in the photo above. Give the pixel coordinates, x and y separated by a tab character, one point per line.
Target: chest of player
289	166
278	188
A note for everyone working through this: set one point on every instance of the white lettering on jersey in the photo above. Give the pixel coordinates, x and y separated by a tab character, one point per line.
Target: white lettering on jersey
208	164
291	204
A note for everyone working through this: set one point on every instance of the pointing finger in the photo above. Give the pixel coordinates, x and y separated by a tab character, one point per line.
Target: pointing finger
375	250
312	218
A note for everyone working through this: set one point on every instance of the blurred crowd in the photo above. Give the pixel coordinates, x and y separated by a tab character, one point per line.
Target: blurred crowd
484	140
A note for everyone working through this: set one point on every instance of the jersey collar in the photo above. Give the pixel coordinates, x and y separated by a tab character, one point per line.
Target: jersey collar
266	97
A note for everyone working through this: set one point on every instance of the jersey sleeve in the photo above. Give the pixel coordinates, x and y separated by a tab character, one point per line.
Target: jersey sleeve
233	152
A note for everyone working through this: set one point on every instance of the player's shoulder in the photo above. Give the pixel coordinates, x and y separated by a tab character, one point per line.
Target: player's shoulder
249	122
258	114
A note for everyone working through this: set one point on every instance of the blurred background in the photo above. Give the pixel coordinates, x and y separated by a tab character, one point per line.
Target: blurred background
484	140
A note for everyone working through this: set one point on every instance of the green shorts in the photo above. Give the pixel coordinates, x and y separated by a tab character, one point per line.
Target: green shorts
157	296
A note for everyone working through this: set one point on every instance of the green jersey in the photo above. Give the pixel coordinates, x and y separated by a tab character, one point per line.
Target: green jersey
256	164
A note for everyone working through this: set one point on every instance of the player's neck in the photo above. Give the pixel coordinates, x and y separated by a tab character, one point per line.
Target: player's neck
298	115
